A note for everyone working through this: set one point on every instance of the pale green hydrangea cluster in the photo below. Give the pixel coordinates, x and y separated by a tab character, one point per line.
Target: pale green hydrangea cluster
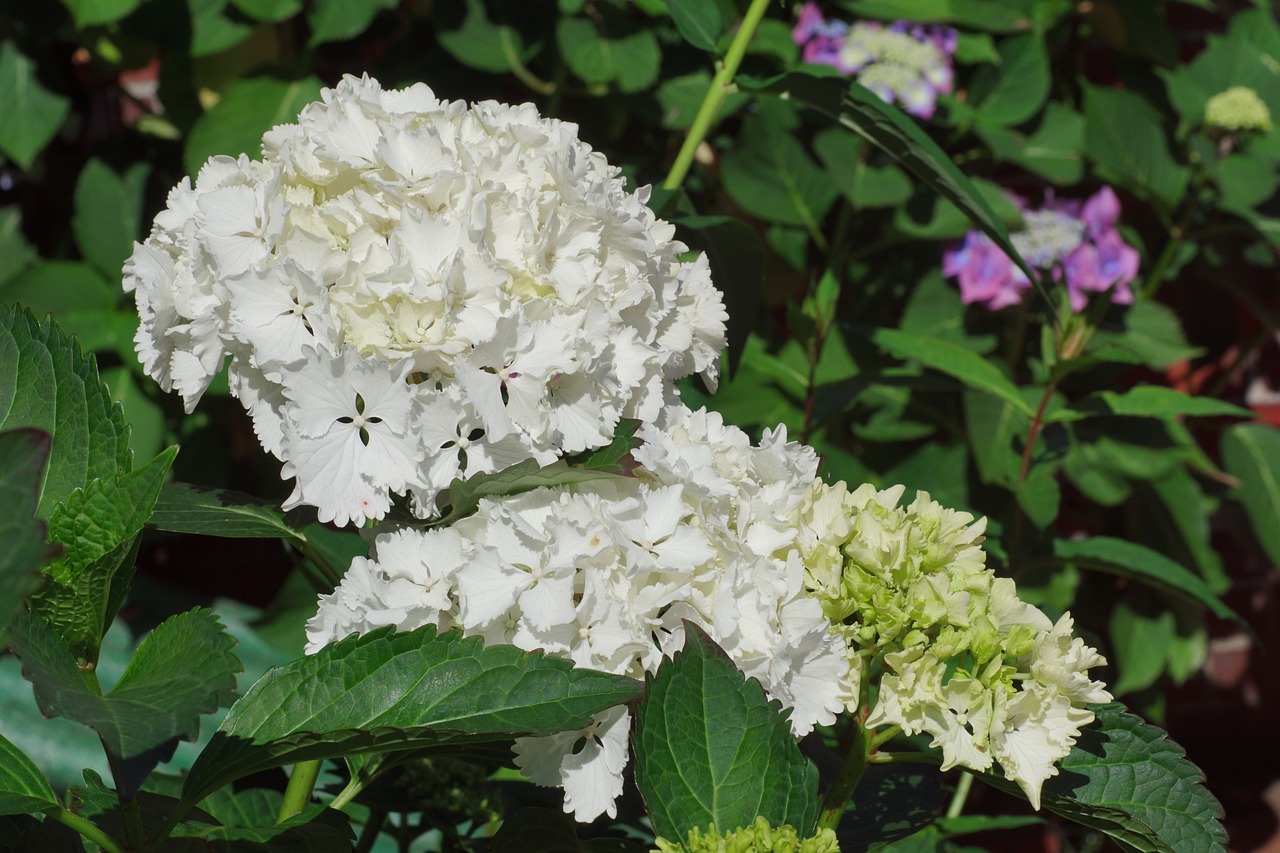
960	655
760	837
1238	108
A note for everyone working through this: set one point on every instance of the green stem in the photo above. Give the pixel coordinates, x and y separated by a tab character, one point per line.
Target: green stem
906	758
297	794
66	817
347	794
134	832
312	553
956	806
841	791
720	88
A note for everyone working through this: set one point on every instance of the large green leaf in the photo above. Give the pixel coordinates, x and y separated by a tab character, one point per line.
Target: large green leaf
108	214
388	690
957	362
248	108
1129	780
98	529
339	20
711	748
1140	563
698	21
92	12
23	788
47	384
475	41
1238	59
772	176
206	511
863	112
891	801
629	57
32	114
1141	633
1251	454
183	669
1016	90
1125	137
1150	401
1052	150
552	832
23	453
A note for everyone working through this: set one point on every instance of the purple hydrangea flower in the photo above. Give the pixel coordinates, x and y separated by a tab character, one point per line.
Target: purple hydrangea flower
1073	242
904	63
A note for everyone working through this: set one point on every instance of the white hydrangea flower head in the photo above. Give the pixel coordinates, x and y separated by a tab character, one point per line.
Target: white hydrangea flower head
988	675
481	253
605	573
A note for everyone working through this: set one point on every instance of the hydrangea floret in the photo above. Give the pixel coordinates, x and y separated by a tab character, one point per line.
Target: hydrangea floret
904	63
760	837
988	675
605	573
410	290
1237	108
1073	242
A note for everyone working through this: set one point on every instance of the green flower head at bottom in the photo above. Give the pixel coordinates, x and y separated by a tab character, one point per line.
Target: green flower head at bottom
760	837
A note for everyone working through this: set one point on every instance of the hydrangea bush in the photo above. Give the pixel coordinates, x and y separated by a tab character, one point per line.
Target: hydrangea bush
766	507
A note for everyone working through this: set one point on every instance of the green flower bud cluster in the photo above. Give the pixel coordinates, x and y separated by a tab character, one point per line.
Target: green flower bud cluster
1238	108
760	837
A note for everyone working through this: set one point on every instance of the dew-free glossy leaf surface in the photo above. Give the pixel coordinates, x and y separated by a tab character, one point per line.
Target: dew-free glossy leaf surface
712	748
388	690
23	788
1251	454
23	453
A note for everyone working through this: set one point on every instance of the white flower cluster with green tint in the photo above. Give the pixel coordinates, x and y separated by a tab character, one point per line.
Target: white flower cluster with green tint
411	290
606	573
760	837
1238	108
989	676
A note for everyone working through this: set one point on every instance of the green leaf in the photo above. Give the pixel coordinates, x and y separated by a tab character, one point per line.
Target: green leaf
1151	401
206	511
475	41
680	97
1140	638
1237	59
23	788
212	30
318	829
989	15
959	363
386	690
1140	563
630	58
1152	335
736	258
32	113
88	13
98	529
1251	454
144	414
552	832
182	669
272	11
108	215
16	253
844	156
61	288
46	384
1053	150
23	454
1016	90
615	457
463	496
339	20
771	176
863	112
249	107
698	21
1127	779
1125	137
891	802
712	748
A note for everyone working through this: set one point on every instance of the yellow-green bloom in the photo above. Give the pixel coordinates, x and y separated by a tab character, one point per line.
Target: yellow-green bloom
1238	108
760	837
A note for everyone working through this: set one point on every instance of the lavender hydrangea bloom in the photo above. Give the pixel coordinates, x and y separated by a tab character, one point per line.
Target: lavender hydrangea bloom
1071	241
904	63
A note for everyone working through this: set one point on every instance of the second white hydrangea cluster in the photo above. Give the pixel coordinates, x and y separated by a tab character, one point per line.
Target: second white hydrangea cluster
604	574
412	290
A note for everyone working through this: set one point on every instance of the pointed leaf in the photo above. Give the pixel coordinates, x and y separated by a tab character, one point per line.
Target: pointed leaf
248	108
463	496
615	457
1125	137
108	215
98	529
23	788
771	176
698	21
955	361
181	670
339	20
1251	454
32	113
47	384
863	112
1129	780
387	690
712	748
1131	560
206	511
1153	401
23	454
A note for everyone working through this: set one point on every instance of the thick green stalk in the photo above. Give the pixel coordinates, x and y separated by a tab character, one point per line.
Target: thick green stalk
69	818
841	790
720	88
297	794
